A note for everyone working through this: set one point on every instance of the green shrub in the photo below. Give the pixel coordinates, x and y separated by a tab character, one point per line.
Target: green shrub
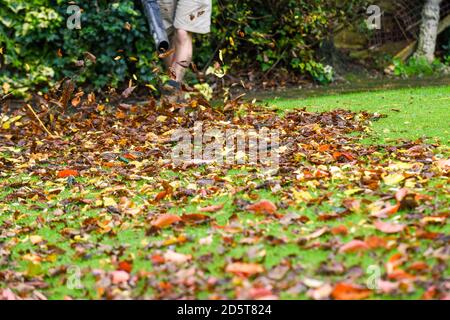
417	66
261	35
40	49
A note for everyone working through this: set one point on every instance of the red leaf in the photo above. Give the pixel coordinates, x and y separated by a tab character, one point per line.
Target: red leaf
261	293
339	230
375	242
130	156
388	227
158	259
354	246
387	211
67	173
342	155
430	294
418	266
161	196
400	274
345	291
125	266
165	220
324	147
264	206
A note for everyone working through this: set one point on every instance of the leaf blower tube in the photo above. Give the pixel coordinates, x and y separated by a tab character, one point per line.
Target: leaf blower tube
153	14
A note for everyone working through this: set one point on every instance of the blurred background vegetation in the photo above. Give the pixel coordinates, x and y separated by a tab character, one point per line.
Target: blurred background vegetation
250	35
259	40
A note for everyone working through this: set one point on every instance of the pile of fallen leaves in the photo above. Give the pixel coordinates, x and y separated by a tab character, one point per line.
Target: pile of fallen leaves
93	207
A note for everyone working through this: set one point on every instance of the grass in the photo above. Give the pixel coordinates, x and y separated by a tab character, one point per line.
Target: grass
412	113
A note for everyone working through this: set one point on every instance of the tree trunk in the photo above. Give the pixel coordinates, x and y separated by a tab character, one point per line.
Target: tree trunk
428	30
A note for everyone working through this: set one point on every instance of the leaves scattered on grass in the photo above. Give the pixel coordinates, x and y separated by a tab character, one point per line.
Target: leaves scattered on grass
123	219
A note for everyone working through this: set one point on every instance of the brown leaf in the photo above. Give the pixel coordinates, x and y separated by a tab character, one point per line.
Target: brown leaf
194	218
76	101
165	220
126	93
387	227
401	194
167	53
354	246
213	208
244	269
90	57
375	242
264	206
316	234
175	257
443	164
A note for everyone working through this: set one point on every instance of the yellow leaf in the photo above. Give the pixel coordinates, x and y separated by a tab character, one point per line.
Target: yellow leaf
302	196
35	239
6	86
350	192
109	202
393	179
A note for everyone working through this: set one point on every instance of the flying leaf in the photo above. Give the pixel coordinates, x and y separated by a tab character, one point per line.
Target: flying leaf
166	54
126	93
90	57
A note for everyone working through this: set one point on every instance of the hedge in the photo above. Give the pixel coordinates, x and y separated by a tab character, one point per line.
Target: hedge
39	50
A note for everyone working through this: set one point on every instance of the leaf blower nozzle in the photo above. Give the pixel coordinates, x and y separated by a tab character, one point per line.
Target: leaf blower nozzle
153	13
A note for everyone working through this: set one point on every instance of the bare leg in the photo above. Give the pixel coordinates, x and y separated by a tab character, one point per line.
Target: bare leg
183	53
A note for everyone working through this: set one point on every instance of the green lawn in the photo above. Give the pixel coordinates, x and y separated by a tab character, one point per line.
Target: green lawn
93	236
412	113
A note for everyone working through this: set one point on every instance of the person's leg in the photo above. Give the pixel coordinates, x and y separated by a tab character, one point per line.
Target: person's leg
182	56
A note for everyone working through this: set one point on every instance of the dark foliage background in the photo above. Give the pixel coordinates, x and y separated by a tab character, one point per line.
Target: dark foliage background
38	48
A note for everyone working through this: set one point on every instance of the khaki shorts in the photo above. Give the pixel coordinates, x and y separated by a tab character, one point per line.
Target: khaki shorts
190	15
